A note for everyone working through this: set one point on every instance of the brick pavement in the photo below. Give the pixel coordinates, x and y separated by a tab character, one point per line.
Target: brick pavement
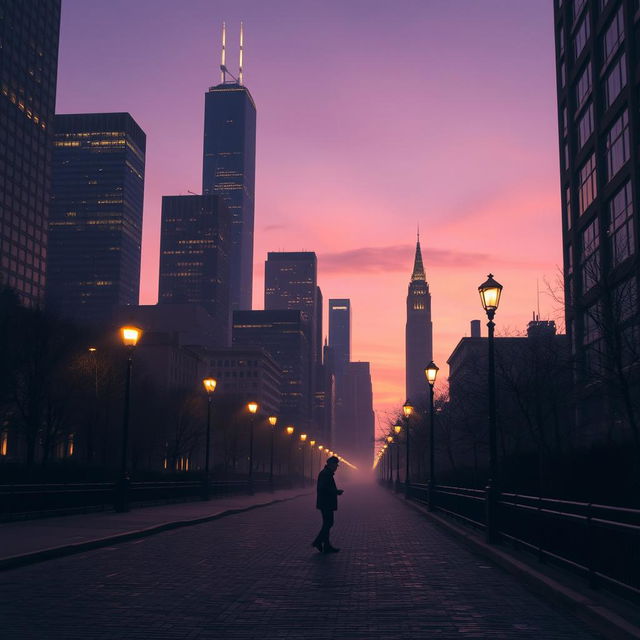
254	575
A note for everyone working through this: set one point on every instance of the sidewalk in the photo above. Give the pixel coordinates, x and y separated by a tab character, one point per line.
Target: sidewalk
26	542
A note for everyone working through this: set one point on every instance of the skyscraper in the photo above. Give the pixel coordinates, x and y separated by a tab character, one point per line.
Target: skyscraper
290	282
195	248
95	222
228	169
29	32
285	335
597	85
340	331
418	337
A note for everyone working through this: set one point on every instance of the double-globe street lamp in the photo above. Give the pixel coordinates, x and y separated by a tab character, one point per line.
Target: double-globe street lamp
390	463
407	410
253	409
130	337
290	430
312	444
431	372
209	385
303	439
490	292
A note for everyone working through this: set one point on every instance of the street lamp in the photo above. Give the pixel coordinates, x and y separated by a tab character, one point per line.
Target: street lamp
407	410
312	444
209	385
130	337
272	421
90	446
397	427
303	438
490	292
431	373
253	408
290	431
390	441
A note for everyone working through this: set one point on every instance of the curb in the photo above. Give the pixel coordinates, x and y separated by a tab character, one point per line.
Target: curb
33	557
608	623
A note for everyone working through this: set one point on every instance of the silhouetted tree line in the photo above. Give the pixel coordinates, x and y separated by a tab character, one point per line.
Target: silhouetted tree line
61	410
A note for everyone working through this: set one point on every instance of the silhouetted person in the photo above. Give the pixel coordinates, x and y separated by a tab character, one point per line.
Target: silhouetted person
327	502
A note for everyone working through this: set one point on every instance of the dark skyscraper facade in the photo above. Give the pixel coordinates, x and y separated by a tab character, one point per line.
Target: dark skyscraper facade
419	330
340	331
95	222
229	170
598	116
286	336
195	248
290	282
29	32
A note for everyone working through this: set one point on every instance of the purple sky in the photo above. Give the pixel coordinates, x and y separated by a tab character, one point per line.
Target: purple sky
373	116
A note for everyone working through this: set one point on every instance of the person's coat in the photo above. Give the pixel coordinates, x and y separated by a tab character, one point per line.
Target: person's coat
327	497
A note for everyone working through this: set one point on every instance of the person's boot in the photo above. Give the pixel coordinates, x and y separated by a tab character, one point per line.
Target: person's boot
317	545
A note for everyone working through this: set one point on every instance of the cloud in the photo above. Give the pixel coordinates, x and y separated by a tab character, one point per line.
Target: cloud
393	258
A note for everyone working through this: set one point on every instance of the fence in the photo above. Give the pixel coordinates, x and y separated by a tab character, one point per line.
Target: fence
22	501
599	542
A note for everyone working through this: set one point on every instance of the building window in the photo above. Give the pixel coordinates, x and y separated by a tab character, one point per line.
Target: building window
585	126
583	87
588	184
568	206
582	35
590	260
566	156
561	40
565	121
613	36
616	80
592	340
621	231
578	6
617	144
563	75
4	442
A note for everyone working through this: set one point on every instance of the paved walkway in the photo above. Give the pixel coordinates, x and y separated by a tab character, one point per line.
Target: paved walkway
253	575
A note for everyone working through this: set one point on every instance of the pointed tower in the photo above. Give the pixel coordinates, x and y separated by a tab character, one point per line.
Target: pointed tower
419	338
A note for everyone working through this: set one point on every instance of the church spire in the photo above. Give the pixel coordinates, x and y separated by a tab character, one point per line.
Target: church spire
418	267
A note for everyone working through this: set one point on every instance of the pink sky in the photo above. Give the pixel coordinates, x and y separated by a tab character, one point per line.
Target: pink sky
373	116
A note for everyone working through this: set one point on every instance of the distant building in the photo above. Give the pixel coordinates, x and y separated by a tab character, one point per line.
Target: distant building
285	335
195	248
229	171
340	331
246	374
355	440
95	222
28	73
597	71
419	331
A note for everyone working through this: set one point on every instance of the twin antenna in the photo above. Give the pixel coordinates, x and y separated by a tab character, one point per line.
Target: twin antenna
223	67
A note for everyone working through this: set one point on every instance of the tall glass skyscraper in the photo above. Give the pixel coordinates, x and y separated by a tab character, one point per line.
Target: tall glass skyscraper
340	332
228	169
95	225
29	32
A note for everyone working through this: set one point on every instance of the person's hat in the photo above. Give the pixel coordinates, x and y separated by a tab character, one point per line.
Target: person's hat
333	459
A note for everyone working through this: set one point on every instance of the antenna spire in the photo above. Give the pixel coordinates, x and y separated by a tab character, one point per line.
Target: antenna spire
418	233
241	52
223	67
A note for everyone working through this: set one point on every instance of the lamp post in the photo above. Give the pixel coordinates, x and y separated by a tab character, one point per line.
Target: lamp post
390	441
303	438
90	446
490	292
312	444
272	421
130	337
209	385
431	372
253	408
397	427
407	410
290	431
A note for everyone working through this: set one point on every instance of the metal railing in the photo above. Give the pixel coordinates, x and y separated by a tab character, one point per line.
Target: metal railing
25	501
599	542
